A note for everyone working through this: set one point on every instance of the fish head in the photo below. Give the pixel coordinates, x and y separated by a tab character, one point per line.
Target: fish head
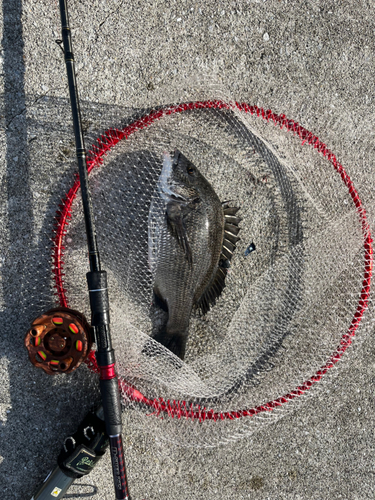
180	180
184	179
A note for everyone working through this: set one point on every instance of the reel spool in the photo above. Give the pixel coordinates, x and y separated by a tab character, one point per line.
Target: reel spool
59	340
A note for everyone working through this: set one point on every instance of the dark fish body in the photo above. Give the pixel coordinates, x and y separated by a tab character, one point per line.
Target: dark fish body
186	246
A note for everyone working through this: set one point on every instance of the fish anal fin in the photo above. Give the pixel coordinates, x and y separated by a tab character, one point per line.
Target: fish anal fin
213	291
177	226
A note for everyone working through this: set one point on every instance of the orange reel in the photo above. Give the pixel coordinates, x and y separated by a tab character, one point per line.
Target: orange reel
59	340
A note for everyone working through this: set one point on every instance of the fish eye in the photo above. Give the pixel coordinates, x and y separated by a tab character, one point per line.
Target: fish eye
190	170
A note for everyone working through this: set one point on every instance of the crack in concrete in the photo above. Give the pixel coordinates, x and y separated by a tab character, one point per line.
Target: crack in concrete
106	19
23	110
13	118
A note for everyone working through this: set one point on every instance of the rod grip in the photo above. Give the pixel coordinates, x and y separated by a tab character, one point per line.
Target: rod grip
111	405
99	301
118	466
112	415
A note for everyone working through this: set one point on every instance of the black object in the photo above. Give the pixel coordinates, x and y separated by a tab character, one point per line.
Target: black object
97	285
55	485
78	457
251	248
84	448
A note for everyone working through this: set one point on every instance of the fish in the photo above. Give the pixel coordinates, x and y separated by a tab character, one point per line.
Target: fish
192	236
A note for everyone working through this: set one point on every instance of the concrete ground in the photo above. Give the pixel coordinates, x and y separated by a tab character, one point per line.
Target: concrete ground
311	60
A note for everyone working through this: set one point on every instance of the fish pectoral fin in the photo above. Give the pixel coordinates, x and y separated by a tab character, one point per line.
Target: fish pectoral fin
177	226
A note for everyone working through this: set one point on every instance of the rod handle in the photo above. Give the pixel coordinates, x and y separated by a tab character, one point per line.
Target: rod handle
112	416
118	467
111	406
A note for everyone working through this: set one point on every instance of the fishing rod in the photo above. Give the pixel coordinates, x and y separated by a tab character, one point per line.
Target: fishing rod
97	285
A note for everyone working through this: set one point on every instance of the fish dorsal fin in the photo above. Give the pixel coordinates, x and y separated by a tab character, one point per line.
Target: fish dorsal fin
217	283
231	230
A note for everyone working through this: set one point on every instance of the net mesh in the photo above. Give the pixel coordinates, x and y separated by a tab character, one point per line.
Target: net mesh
297	290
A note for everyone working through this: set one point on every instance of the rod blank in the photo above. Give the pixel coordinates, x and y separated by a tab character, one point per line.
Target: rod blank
97	284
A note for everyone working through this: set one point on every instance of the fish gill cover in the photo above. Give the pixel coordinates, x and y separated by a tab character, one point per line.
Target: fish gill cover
289	309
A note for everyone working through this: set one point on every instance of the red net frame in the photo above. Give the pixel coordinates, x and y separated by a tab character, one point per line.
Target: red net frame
185	409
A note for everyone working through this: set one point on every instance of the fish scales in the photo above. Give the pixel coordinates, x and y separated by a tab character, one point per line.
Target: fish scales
186	246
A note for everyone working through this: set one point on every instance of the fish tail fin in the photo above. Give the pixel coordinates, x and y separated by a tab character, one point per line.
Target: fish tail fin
176	343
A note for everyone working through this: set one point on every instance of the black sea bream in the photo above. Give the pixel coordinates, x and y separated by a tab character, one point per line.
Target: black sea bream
191	239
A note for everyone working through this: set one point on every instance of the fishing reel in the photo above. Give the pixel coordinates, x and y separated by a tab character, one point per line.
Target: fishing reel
59	340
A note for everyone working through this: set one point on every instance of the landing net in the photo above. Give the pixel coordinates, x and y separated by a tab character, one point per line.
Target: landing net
298	289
